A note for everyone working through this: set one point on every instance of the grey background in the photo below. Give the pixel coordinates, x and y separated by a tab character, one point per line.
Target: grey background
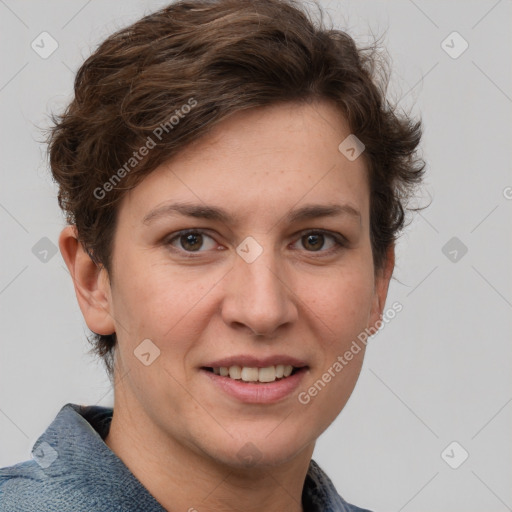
439	372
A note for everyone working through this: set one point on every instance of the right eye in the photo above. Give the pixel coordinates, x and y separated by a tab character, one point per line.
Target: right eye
191	241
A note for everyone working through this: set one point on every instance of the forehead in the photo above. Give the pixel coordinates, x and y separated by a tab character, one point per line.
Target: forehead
261	161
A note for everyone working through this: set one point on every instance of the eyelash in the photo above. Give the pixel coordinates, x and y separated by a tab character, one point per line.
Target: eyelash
339	240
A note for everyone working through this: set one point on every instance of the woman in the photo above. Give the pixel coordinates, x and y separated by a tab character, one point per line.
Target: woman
234	182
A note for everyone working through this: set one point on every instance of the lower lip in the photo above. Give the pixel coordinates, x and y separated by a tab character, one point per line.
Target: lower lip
257	393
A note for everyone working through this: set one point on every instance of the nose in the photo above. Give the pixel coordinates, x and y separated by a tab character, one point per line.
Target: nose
258	299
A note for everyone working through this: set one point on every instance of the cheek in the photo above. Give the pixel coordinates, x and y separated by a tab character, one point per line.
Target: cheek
157	301
341	304
340	310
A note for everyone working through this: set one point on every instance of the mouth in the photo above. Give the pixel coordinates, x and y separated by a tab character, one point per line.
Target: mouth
255	379
254	374
263	385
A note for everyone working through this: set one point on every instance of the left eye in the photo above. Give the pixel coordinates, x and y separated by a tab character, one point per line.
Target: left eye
314	241
192	241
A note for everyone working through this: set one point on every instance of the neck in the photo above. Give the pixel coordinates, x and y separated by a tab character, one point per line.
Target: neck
182	478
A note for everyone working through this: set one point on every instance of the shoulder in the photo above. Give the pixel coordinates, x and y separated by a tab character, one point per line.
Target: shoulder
321	495
25	487
72	469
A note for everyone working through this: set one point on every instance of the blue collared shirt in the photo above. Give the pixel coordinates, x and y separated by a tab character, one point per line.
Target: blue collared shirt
73	470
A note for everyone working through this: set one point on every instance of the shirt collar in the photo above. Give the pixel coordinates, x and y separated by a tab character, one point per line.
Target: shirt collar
74	445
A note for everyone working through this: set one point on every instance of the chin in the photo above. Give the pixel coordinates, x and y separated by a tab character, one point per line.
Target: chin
258	452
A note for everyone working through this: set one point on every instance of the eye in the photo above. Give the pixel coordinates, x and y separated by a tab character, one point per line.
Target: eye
192	241
197	241
317	240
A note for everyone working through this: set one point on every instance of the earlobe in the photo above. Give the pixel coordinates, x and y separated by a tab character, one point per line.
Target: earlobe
91	283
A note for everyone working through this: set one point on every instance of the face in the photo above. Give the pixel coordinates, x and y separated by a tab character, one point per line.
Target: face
249	249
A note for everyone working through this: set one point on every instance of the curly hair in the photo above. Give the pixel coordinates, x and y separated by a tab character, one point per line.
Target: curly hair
200	61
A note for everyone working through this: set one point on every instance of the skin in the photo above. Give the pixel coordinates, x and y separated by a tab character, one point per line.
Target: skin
175	431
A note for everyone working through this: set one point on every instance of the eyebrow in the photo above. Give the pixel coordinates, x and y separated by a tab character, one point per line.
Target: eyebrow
198	211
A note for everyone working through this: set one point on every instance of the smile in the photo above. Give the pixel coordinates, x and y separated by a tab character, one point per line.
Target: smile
256	385
255	374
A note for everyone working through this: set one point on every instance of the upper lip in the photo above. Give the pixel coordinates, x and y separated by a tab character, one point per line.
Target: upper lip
253	361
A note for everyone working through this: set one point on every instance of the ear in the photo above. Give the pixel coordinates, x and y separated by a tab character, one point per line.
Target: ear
92	286
382	279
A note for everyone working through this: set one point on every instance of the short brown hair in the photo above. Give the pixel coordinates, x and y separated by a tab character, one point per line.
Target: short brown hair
219	57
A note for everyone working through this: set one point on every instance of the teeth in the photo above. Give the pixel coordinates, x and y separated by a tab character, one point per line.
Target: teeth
267	374
249	374
235	372
253	374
